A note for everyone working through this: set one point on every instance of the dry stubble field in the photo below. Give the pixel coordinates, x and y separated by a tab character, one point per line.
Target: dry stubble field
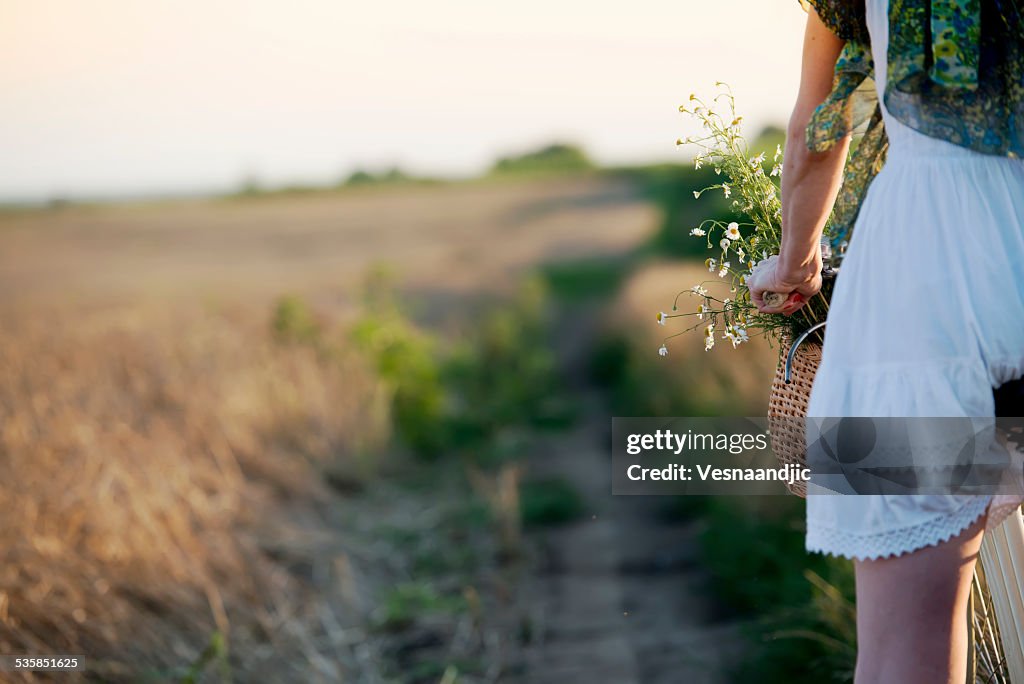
165	460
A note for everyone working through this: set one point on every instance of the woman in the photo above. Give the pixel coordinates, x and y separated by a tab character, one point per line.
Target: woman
927	316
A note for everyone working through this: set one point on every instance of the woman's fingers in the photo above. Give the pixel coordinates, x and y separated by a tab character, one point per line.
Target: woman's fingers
793	304
786	305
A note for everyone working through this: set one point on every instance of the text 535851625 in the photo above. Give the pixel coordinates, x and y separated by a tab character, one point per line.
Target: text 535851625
25	663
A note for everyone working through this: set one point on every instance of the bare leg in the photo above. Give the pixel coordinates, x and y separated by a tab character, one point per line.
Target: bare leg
911	613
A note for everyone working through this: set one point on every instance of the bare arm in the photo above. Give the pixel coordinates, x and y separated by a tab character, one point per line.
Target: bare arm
810	180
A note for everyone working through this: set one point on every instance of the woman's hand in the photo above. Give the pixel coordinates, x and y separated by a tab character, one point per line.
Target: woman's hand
795	284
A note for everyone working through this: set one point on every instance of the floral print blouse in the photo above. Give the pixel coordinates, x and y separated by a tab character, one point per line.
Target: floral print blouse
955	72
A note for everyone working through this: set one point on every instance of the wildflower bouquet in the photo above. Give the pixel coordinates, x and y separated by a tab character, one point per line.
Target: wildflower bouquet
740	246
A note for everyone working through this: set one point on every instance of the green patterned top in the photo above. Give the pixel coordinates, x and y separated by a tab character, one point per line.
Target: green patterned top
955	72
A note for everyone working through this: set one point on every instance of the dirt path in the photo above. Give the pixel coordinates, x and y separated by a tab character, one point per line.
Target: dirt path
619	595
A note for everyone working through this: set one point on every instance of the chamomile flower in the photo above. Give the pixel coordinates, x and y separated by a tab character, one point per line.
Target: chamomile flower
662	350
777	170
778	153
709	337
728	335
741	254
701	310
725	188
699	232
755	162
662	318
724	270
732	231
724	244
711	264
698	289
741	334
696	163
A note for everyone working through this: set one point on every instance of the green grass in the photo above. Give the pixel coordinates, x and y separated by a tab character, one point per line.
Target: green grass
583	279
403	604
293	321
551	501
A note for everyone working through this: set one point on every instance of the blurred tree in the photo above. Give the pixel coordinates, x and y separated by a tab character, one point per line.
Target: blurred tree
359	177
364	177
557	157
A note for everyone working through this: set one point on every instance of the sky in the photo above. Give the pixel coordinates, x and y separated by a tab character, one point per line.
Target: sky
106	98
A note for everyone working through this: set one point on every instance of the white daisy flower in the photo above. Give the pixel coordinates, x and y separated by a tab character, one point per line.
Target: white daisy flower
778	153
724	270
701	310
696	163
732	231
711	264
741	333
699	232
698	289
742	255
662	317
663	350
726	189
724	244
777	170
756	162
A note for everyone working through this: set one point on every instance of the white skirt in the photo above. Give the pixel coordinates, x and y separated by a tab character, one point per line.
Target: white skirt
927	317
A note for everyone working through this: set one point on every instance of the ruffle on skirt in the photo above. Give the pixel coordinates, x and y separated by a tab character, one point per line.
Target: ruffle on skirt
877	526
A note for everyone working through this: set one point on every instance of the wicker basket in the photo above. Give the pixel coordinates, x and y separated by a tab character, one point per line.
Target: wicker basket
787	406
